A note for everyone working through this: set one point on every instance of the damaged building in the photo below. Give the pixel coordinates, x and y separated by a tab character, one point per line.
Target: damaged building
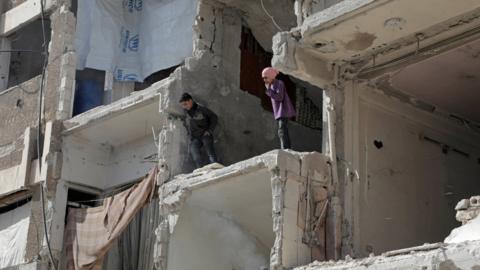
385	141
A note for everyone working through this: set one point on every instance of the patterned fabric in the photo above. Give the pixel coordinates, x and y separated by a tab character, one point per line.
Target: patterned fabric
90	232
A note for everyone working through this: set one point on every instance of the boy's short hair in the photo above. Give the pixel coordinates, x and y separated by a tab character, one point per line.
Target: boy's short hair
185	97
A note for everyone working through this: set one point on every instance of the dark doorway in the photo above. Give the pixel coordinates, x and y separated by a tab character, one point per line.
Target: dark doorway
253	60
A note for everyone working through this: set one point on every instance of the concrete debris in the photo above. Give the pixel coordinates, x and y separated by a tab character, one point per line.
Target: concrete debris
209	167
468	209
469	231
454	256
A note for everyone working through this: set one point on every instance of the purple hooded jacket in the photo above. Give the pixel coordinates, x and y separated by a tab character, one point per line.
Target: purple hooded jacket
282	106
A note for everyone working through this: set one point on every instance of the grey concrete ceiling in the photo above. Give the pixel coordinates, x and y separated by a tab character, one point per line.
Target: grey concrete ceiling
261	24
450	80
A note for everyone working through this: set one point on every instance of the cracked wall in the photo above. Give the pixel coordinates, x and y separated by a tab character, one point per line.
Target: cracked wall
399	166
208	209
408	185
212	76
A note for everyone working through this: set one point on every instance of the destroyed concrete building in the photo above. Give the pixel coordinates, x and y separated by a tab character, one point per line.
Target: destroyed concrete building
387	130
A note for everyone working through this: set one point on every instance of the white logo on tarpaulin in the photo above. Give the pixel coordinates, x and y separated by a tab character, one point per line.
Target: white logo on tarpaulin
128	41
120	75
133	5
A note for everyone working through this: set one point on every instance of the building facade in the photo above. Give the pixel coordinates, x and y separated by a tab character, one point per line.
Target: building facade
385	91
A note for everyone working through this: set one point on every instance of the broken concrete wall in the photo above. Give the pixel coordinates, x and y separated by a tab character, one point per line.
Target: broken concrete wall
212	76
428	257
395	156
468	211
205	214
19	105
218	234
19	110
60	73
408	169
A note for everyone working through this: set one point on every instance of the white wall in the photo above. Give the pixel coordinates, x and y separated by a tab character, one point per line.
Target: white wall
227	225
103	166
408	188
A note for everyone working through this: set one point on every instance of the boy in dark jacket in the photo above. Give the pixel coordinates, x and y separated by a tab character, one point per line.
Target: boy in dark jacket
200	123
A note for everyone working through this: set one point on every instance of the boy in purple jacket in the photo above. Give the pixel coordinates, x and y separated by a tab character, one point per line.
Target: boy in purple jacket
282	106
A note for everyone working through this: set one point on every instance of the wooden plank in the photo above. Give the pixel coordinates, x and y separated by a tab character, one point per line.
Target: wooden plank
14	197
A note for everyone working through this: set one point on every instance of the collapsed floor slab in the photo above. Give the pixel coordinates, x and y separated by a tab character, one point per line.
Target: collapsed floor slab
464	255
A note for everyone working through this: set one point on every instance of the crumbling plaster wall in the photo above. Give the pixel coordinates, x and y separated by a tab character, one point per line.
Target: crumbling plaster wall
428	179
287	185
18	110
21	112
405	169
212	75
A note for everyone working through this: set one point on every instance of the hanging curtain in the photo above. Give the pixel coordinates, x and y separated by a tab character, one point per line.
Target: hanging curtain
133	250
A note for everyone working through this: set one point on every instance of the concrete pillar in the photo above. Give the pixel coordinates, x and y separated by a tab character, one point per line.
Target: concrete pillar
172	145
278	200
5	45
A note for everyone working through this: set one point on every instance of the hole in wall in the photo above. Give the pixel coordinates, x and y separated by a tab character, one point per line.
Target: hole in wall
378	144
19	103
445	149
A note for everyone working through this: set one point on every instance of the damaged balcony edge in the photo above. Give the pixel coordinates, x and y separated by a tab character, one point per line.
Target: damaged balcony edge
336	14
21	86
15	196
201	179
121	106
369	60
